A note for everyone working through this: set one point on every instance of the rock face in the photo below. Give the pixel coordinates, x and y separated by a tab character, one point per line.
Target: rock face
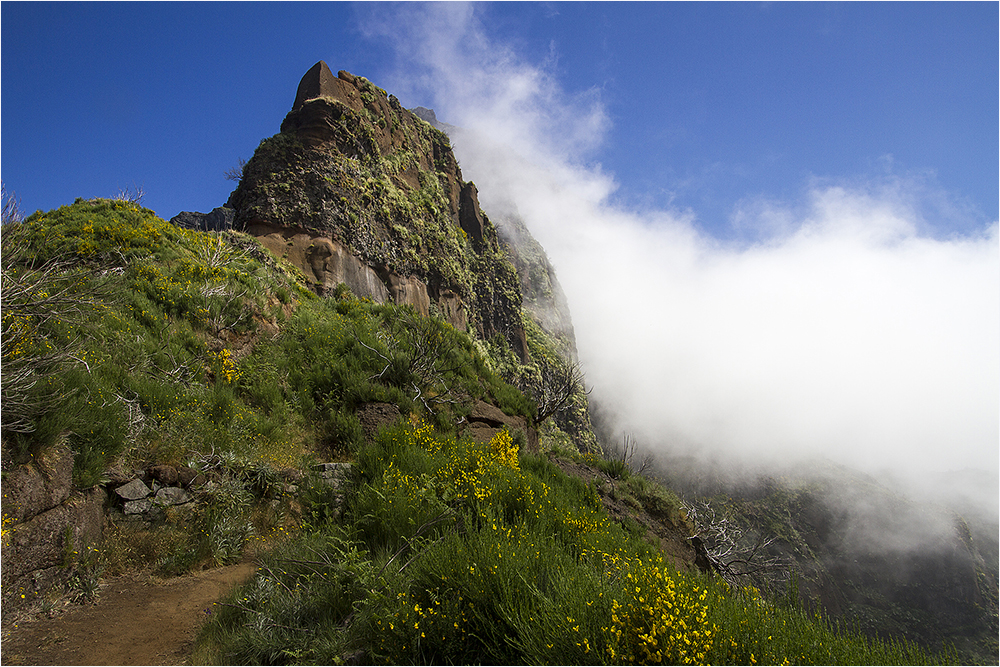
319	81
356	189
46	526
487	420
219	220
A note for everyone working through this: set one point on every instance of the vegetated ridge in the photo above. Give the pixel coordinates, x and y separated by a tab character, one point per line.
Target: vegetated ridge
347	386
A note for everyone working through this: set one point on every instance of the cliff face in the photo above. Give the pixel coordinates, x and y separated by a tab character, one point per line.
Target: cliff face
356	189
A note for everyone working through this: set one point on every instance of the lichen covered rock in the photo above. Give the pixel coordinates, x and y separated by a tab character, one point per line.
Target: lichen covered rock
352	167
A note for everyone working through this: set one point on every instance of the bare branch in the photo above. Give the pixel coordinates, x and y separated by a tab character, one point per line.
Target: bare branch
11	207
236	173
557	382
741	557
132	194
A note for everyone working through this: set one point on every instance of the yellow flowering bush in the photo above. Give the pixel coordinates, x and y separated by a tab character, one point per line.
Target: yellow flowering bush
225	366
660	619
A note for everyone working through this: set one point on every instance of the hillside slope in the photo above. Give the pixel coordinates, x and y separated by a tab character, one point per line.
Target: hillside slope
351	388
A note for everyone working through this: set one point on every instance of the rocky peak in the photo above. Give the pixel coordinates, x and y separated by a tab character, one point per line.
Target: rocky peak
356	189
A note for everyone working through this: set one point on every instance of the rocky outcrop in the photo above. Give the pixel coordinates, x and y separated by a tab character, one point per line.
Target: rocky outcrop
324	262
374	416
486	420
47	526
469	215
356	189
219	220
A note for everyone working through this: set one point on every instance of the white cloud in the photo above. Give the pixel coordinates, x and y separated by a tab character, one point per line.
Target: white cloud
853	327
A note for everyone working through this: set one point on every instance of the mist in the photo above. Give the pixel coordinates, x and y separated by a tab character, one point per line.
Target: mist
845	324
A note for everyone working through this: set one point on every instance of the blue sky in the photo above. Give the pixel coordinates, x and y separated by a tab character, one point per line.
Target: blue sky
776	224
705	105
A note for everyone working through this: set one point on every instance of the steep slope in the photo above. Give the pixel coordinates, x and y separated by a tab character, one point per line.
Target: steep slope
357	190
845	543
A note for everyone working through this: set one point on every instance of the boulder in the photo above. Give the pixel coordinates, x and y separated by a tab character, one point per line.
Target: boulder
165	475
172	495
134	507
489	415
134	490
486	420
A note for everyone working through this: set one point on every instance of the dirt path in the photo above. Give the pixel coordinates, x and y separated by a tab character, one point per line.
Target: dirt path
135	622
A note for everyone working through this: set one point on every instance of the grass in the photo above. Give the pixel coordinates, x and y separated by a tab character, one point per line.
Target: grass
142	343
456	552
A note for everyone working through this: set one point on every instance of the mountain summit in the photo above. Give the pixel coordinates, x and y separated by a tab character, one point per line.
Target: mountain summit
355	189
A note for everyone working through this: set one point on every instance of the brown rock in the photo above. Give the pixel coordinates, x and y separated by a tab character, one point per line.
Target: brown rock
486	420
307	179
374	416
319	81
325	262
164	474
186	475
469	215
41	484
452	309
39	551
489	415
409	291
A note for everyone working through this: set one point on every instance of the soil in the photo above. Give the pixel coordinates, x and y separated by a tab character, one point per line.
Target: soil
134	621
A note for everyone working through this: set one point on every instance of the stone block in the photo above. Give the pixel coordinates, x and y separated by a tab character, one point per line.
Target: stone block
134	490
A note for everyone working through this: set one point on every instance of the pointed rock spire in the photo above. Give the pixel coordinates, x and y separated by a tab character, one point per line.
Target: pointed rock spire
319	81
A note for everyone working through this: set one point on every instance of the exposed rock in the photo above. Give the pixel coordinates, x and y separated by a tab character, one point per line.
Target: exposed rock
41	484
469	215
451	309
319	81
39	553
408	291
141	506
292	475
186	476
488	415
486	420
357	190
428	116
134	490
220	219
164	474
334	474
172	495
325	262
425	114
373	416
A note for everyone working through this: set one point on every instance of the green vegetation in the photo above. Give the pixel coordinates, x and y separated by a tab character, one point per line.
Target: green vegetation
452	552
138	343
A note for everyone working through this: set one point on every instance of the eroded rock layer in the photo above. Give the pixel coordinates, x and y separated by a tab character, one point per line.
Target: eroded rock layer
355	189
